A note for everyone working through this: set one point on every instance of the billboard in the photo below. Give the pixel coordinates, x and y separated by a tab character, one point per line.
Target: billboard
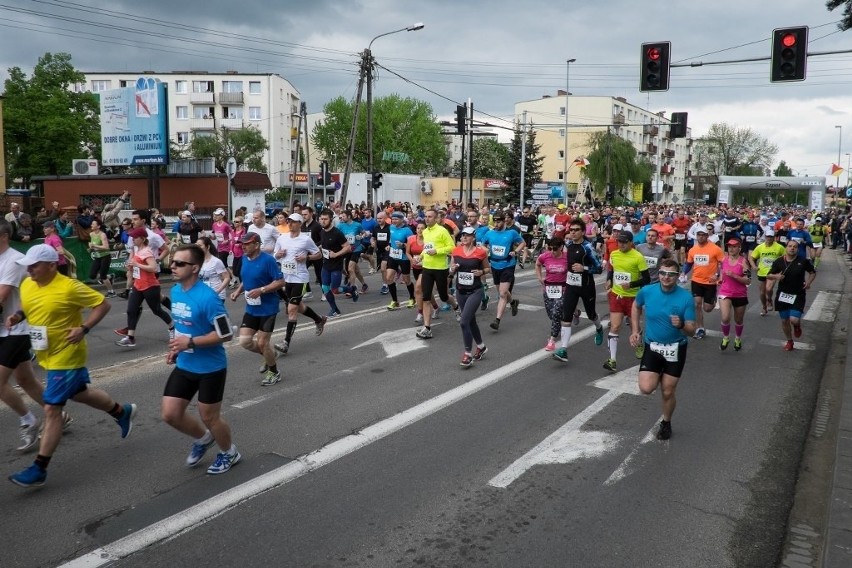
134	124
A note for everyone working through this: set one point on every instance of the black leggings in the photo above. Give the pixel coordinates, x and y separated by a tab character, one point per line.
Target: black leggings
469	303
99	267
152	298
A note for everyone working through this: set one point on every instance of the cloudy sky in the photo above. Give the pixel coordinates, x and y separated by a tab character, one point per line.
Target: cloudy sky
495	52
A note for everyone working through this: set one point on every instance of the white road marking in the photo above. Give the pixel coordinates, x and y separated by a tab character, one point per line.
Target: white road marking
529	307
782	342
625	468
824	307
396	343
199	514
568	443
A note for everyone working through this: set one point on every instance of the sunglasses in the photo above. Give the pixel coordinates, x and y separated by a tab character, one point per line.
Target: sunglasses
575	229
668	273
181	263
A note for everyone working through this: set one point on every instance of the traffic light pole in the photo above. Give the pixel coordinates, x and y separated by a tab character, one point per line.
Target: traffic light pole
470	150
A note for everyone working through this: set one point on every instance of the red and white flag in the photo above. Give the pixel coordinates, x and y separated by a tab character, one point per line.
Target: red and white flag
834	170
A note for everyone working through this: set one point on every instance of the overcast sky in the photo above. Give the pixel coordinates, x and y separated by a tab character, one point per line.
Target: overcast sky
495	52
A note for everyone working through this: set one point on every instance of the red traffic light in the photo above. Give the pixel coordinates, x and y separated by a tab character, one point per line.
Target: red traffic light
654	53
789	40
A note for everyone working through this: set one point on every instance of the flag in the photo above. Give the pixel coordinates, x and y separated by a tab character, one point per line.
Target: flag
582	162
834	170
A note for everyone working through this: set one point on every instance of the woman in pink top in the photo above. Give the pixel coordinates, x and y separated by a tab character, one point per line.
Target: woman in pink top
237	249
551	269
733	293
222	236
52	239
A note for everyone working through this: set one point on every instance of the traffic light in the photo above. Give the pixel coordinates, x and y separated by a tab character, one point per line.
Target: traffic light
461	119
377	180
789	54
678	125
656	61
610	192
325	176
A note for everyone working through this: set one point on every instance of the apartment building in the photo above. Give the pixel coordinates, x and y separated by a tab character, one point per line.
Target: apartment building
201	102
646	131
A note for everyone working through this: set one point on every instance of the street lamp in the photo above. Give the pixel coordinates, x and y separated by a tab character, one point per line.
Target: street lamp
565	152
839	143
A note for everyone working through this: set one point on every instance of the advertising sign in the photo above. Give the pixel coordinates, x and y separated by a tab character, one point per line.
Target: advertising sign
134	124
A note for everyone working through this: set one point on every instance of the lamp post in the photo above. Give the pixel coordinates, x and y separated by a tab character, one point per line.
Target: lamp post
565	151
839	143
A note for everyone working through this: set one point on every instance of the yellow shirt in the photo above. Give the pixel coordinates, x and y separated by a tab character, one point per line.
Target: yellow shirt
58	307
626	267
439	238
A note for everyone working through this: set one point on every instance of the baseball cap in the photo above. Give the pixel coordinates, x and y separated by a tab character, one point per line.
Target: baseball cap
468	231
623	237
733	241
701	230
561	206
250	238
39	253
296	217
617	227
188	213
137	232
219	211
769	233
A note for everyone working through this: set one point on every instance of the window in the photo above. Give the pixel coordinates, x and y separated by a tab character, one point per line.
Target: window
232	86
560	176
561	111
202	112
254	87
202	86
183	137
181	113
254	113
561	154
232	112
102	85
204	133
122	83
562	133
180	87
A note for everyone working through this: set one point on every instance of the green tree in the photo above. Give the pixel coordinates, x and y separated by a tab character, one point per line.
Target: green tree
532	165
46	123
399	125
490	159
245	145
731	150
783	170
624	166
846	22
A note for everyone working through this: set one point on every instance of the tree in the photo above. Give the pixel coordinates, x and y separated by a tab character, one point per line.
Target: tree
846	22
730	150
490	159
783	170
402	125
532	165
624	167
46	123
245	145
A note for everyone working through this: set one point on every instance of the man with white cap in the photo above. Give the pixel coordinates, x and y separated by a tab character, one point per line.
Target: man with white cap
761	259
53	304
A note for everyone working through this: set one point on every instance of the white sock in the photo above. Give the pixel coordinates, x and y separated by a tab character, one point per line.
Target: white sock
613	346
566	336
233	450
206	438
28	419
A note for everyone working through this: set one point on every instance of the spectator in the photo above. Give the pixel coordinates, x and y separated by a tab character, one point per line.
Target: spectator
23	229
64	229
109	216
15	212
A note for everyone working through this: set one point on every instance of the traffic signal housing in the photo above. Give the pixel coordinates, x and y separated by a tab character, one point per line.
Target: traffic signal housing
325	176
461	119
377	180
789	54
656	66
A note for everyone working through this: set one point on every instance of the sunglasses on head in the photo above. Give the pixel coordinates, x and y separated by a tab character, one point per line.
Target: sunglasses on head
668	273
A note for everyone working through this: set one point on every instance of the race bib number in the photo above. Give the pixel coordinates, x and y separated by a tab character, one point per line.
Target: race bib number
575	279
136	273
786	298
750	238
466	278
428	246
38	337
179	334
680	237
767	260
782	240
524	228
220	237
350	239
185	239
326	253
817	245
252	301
702	259
498	250
382	237
667	350
651	261
621	279
288	267
560	228
396	253
553	292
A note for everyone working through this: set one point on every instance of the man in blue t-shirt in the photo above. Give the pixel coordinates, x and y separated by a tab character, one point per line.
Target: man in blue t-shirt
669	321
368	223
196	350
503	245
354	233
801	236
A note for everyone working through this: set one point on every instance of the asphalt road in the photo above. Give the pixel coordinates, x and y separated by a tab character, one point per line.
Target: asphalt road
358	458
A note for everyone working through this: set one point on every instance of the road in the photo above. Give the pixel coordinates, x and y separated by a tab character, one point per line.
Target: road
384	452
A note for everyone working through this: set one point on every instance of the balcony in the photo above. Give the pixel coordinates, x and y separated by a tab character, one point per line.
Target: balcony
652	149
201	98
689	158
618	118
667	169
202	124
233	123
651	129
669	153
230	98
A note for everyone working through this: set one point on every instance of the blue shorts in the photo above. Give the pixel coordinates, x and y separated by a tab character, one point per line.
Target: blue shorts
787	314
65	384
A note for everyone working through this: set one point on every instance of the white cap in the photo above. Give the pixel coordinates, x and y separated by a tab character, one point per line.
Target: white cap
219	211
296	217
769	233
617	227
39	253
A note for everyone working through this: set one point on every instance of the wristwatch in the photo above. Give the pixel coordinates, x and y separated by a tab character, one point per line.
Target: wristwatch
191	344
85	329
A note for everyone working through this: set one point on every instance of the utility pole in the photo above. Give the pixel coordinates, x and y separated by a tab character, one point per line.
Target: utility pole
523	157
295	162
365	61
470	151
368	55
463	165
312	188
608	148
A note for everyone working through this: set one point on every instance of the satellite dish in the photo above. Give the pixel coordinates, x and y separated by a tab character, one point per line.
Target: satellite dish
231	167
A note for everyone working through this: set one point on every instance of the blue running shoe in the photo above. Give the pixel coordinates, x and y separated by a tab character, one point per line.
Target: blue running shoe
33	476
224	462
599	336
197	452
126	419
445	308
355	294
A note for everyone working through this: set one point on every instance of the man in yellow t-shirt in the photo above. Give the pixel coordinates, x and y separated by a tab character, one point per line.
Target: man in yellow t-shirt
52	304
628	271
761	260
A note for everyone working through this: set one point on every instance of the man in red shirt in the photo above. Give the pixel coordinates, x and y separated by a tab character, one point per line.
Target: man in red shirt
681	224
561	221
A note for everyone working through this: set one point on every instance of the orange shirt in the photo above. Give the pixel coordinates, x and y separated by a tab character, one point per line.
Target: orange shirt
705	260
666	233
142	279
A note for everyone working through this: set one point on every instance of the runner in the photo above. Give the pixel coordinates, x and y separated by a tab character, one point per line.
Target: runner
707	259
213	272
681	225
669	320
237	251
260	281
551	269
334	248
469	264
503	246
268	233
52	304
398	262
201	365
627	272
793	276
819	236
526	223
224	237
437	245
99	250
414	251
733	293
380	241
761	259
354	233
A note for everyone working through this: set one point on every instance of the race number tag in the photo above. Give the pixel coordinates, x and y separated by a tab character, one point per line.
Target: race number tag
350	239
651	261
817	245
767	260
382	237
466	278
702	259
750	238
252	301
524	228
498	250
427	247
667	350
38	337
621	279
680	237
220	237
553	292
186	239
136	273
326	253
396	253
574	279
786	298
288	267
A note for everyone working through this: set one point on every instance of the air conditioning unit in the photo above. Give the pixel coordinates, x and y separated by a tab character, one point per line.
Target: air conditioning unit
84	167
426	187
